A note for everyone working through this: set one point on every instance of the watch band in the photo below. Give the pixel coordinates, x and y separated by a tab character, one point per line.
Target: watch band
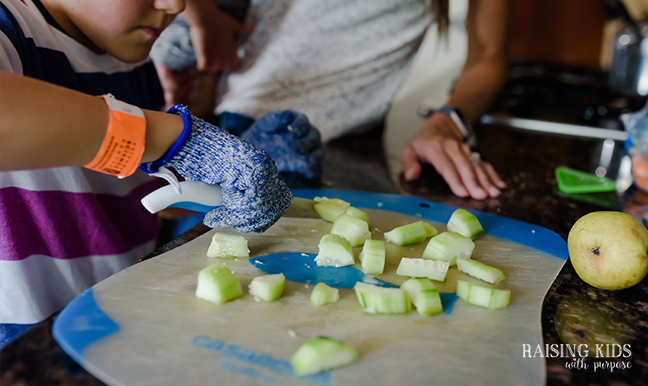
458	118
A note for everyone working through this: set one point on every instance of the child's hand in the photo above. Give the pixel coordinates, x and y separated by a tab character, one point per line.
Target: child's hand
291	140
254	197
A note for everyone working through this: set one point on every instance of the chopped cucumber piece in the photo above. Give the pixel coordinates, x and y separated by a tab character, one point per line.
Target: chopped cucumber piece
480	270
410	233
483	296
424	295
465	223
334	251
381	300
330	208
323	294
320	354
267	287
429	230
448	246
355	230
217	284
372	257
226	245
355	212
432	269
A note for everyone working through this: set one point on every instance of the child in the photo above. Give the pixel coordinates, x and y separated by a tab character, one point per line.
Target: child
64	227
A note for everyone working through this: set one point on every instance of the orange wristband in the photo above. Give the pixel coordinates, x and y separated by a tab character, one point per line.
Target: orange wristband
122	149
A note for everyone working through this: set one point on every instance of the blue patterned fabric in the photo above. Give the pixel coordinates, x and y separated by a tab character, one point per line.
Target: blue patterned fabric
254	197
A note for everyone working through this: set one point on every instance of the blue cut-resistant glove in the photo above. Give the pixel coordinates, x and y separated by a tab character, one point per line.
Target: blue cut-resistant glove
294	144
254	197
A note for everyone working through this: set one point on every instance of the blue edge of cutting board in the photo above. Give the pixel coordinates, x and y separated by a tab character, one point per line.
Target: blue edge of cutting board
82	322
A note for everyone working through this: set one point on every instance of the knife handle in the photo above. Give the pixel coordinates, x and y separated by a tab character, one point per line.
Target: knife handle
195	195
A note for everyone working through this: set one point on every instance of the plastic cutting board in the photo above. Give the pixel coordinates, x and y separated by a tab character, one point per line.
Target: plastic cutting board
144	325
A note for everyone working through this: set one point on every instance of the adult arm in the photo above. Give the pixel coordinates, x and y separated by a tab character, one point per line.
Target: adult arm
43	125
439	142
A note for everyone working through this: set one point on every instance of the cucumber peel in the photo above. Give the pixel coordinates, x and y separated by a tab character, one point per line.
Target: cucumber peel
322	294
432	269
334	251
217	284
424	295
410	233
480	270
226	245
330	208
449	246
355	230
372	257
321	353
465	223
483	296
381	300
267	287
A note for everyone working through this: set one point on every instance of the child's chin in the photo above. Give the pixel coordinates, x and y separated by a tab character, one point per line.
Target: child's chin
132	56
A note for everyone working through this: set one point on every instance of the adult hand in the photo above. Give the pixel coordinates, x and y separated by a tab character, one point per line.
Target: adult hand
188	87
440	143
254	197
214	39
294	144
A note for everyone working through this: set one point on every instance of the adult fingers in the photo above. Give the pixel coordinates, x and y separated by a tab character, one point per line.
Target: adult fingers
438	154
492	174
457	154
411	165
484	179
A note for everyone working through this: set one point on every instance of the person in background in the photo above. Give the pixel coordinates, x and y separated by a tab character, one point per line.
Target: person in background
340	63
64	227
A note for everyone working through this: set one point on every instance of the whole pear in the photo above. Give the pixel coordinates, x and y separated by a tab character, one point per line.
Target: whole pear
609	250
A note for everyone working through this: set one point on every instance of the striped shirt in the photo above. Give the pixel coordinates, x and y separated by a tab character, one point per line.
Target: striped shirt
64	229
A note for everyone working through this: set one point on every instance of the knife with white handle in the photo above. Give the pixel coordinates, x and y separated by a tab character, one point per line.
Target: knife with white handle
200	197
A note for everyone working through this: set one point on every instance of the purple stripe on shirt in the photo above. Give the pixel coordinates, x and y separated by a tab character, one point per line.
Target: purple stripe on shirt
67	225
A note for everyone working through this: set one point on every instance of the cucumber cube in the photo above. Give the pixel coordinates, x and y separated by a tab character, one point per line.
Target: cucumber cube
217	284
267	287
380	300
355	212
330	208
483	296
432	269
334	251
320	354
323	294
424	295
410	233
480	270
372	257
226	245
448	246
355	230
465	223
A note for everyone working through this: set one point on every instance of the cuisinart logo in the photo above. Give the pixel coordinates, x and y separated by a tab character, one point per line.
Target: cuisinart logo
613	353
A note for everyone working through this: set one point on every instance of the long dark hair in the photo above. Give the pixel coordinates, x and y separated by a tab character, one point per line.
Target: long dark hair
440	10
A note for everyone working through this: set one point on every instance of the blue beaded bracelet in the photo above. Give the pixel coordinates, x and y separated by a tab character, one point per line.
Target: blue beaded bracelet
152	167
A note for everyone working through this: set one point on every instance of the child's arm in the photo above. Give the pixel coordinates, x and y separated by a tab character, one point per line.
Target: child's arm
43	126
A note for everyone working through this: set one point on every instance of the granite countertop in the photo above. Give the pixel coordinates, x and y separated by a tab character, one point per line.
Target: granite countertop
573	312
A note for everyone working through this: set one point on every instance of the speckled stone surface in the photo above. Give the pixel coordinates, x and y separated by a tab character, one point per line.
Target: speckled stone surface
573	312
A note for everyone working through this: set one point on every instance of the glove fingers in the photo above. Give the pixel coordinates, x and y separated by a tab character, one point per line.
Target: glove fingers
275	121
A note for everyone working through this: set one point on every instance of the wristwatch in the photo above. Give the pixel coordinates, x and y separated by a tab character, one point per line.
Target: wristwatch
462	123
